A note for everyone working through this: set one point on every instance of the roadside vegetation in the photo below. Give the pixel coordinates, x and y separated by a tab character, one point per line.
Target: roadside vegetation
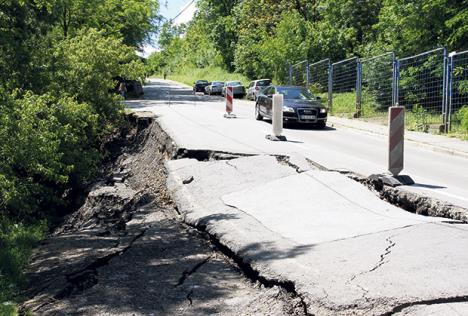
58	62
259	40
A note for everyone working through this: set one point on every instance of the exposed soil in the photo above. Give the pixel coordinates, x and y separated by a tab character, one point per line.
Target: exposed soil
126	251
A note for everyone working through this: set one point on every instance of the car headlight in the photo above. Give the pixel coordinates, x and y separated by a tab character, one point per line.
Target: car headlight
323	110
288	109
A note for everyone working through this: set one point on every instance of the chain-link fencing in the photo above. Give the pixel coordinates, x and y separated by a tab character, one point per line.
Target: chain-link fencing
432	86
344	77
458	93
299	74
421	89
377	87
319	79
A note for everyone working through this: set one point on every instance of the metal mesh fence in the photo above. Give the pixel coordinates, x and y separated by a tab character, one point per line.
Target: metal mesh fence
431	86
421	89
344	77
318	79
458	98
299	74
377	86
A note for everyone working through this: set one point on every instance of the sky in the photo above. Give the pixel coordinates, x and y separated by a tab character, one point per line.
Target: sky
170	9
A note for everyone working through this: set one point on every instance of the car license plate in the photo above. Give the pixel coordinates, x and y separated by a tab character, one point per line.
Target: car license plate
308	117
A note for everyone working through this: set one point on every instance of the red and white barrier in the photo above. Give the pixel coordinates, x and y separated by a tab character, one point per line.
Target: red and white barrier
396	141
229	102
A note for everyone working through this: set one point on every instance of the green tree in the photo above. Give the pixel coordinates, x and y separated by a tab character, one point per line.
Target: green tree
411	27
133	20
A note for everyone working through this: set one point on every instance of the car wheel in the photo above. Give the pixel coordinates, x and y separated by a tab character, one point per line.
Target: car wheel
258	116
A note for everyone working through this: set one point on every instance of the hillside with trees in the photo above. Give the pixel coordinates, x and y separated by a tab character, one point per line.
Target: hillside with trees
259	38
58	62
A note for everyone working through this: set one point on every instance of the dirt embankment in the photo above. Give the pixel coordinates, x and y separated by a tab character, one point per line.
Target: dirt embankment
126	252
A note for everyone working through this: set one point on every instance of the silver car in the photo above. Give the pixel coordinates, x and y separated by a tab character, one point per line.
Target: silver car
216	87
238	88
255	87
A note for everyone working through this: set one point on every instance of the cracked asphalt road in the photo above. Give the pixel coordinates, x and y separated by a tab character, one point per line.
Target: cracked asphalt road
171	270
127	252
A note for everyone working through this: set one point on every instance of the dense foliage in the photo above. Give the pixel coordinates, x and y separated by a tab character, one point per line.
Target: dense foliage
258	38
58	64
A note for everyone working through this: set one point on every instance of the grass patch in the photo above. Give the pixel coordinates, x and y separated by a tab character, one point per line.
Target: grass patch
190	75
16	244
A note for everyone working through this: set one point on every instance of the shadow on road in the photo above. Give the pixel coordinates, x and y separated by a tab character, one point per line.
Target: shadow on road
427	186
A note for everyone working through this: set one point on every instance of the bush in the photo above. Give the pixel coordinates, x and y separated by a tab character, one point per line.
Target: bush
190	75
85	67
47	143
462	116
16	244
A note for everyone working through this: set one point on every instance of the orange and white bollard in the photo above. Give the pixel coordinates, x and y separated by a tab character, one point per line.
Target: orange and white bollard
396	149
229	103
396	139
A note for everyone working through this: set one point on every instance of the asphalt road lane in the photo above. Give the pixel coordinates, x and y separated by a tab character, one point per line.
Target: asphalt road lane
197	122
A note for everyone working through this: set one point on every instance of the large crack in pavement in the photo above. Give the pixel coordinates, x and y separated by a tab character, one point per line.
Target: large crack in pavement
436	301
247	269
88	277
189	272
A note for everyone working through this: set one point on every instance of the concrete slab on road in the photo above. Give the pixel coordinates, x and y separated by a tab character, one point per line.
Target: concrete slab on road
316	206
346	251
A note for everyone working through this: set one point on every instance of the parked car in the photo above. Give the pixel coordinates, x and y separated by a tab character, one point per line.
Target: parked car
238	88
199	86
133	88
216	87
299	105
255	87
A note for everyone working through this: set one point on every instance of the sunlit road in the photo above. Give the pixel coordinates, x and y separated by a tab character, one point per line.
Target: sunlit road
197	122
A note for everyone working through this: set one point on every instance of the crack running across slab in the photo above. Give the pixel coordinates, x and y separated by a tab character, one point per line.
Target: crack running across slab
191	271
387	252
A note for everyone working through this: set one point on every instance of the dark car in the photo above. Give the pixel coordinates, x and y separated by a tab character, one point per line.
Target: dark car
299	105
216	87
200	86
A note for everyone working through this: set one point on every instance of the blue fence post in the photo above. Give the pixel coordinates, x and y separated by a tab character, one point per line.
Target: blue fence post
358	88
445	74
450	67
396	81
393	79
330	87
290	74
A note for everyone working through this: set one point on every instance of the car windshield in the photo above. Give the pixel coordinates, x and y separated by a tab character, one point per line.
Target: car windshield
234	83
296	93
264	83
218	83
202	81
